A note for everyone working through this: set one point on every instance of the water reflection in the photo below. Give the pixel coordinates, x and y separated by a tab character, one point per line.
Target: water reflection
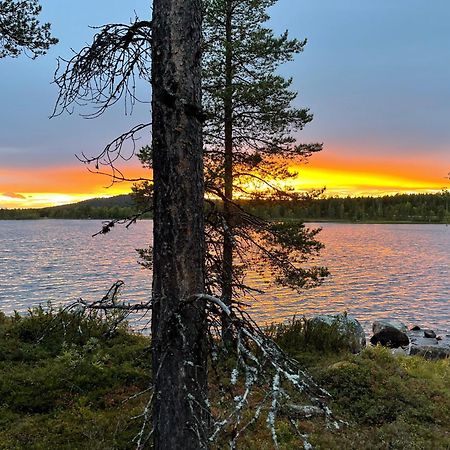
377	270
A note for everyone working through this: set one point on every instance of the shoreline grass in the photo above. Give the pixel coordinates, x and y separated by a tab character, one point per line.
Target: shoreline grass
69	382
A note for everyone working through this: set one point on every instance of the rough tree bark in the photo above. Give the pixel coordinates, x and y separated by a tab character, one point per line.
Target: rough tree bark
180	413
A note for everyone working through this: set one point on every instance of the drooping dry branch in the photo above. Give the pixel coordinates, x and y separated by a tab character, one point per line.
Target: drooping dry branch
264	382
105	71
115	152
110	301
100	75
261	366
127	221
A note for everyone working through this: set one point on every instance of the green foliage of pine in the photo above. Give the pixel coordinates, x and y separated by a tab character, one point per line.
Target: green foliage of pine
240	71
21	31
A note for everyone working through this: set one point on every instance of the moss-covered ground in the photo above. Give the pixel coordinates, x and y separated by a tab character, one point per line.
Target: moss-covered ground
67	382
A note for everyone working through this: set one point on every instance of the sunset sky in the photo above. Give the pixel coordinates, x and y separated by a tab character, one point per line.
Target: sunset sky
376	75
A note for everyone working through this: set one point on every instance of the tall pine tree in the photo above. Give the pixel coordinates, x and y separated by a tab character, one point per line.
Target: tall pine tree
251	140
179	357
250	134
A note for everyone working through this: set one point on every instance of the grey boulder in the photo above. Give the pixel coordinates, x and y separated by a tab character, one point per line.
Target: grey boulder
347	326
381	324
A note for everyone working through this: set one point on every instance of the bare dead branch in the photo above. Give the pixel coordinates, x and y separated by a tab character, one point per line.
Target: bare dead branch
263	381
115	152
105	71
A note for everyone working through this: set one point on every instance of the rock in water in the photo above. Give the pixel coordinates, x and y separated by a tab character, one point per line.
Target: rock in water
380	324
390	337
429	348
389	333
347	326
429	334
415	328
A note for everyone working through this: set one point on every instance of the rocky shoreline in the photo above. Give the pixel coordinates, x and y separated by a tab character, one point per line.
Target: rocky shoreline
391	333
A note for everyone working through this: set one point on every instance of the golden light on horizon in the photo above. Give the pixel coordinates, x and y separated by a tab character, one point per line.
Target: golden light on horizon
51	186
349	182
42	187
42	200
361	183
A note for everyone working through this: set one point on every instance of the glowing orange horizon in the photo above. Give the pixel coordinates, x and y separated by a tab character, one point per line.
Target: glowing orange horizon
41	187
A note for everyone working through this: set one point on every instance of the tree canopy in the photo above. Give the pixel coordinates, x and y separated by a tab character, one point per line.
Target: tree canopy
21	30
250	139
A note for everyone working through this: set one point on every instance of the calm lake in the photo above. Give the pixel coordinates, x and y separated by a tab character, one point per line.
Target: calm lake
377	270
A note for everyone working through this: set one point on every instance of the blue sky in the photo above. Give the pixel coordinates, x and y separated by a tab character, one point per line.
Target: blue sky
375	71
376	75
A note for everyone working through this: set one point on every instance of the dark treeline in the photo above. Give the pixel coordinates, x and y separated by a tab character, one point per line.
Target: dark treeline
432	208
429	208
116	207
69	212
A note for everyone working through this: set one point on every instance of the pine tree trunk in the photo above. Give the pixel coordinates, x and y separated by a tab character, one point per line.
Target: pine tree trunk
180	413
227	275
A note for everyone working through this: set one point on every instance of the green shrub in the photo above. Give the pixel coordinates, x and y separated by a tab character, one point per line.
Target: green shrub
303	334
68	389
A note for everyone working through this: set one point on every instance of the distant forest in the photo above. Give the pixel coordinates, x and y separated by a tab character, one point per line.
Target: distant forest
428	208
419	208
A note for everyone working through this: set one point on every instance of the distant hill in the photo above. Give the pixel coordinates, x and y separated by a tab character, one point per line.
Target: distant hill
117	207
109	202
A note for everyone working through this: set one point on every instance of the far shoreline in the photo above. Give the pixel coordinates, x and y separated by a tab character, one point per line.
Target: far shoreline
274	219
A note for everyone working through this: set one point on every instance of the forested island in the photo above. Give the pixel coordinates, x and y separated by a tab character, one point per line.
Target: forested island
405	208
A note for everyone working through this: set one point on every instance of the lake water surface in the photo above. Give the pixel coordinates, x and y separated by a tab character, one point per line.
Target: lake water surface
377	270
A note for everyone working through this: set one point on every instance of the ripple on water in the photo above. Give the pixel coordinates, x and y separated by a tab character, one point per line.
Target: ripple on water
377	270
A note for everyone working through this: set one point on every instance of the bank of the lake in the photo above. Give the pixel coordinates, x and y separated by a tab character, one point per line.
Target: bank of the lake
77	386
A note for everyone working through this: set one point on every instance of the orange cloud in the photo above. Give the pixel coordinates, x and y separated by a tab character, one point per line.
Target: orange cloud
13	195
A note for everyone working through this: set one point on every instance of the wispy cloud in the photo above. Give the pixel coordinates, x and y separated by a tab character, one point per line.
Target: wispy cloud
14	195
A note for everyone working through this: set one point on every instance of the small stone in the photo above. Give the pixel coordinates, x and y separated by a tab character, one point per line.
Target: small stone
303	411
400	351
429	334
415	328
439	338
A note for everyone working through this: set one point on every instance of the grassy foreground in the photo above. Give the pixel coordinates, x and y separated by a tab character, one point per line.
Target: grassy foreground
67	382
